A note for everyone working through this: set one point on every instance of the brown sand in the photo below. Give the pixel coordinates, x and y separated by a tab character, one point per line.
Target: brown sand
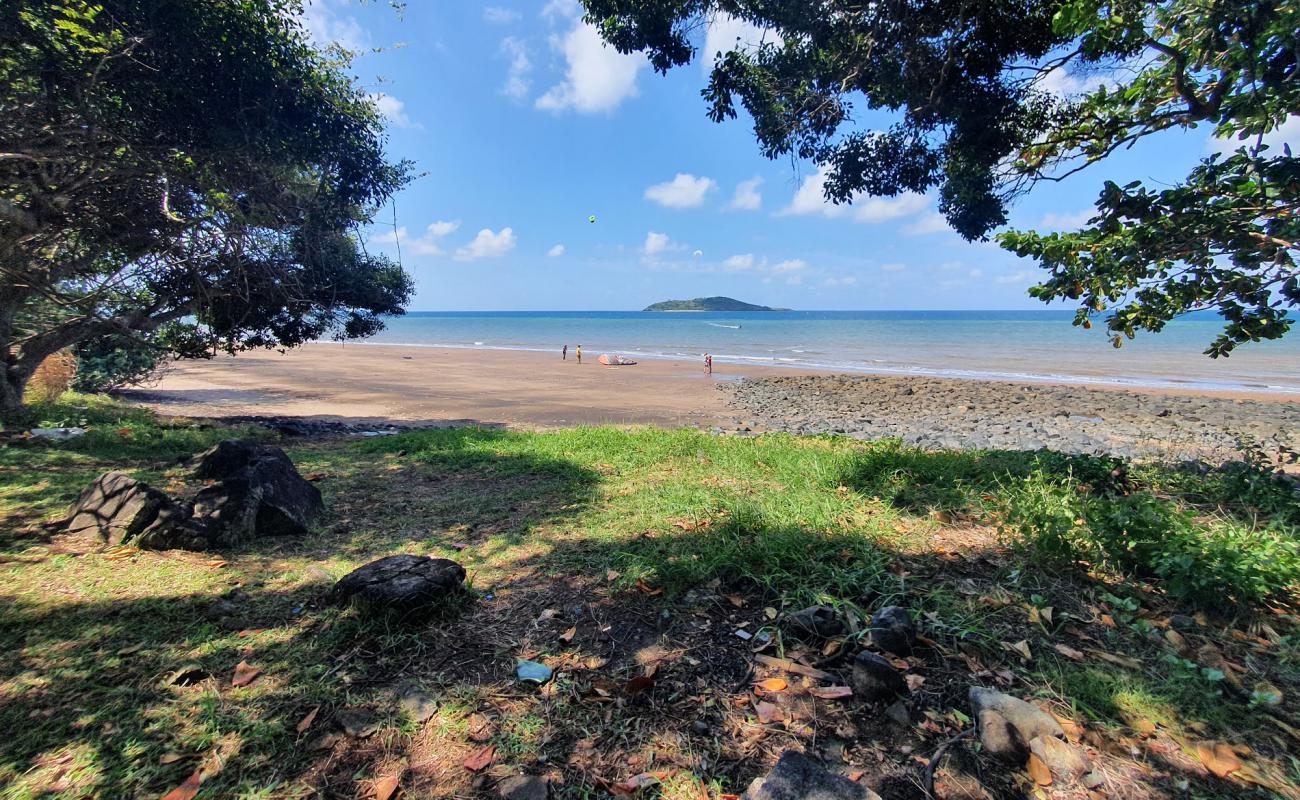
375	383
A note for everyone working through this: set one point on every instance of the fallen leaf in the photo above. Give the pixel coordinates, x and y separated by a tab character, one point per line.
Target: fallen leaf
317	476
217	563
634	784
386	787
790	666
481	759
652	591
613	575
736	600
567	636
1046	614
188	789
1218	758
1120	661
1107	620
306	721
1038	771
943	517
831	692
1144	727
773	685
1069	652
642	682
245	674
1020	648
769	612
1176	641
171	758
914	682
768	713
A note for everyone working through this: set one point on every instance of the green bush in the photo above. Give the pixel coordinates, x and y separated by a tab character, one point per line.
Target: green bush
111	362
1193	558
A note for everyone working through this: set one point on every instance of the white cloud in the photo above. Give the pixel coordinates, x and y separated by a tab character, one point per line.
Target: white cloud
847	280
1065	83
1286	133
746	197
487	245
683	191
892	267
518	81
597	77
726	33
794	280
929	223
556	251
656	243
976	273
561	9
1073	220
394	110
500	16
1024	276
738	263
424	245
790	265
810	198
327	26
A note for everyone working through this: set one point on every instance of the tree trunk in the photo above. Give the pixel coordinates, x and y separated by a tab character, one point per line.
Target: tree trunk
11	394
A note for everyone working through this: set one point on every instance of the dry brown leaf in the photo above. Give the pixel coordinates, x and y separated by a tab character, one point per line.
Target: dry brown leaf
634	784
1020	648
736	600
914	682
1218	758
317	476
217	563
567	636
170	757
613	575
188	789
386	788
652	591
773	685
1046	614
790	666
1144	727
768	713
245	673
481	758
1038	771
1119	661
1176	641
1069	652
831	692
307	720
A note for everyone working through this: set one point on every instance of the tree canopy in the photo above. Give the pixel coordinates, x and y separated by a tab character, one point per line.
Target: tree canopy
977	124
191	175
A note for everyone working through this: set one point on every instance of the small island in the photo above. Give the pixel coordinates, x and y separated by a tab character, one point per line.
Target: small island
708	304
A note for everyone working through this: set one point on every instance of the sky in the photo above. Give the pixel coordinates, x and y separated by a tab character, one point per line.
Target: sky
522	126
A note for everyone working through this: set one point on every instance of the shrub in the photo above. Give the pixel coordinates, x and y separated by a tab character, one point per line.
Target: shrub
52	378
1204	561
111	362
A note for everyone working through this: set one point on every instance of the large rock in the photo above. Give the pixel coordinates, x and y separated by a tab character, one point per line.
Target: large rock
258	492
815	622
407	583
892	630
875	680
1007	725
121	510
796	777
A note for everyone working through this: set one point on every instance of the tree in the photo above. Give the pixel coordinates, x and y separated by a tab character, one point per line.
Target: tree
188	175
977	123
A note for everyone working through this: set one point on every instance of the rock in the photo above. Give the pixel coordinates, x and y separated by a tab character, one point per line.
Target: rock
359	722
796	777
404	582
57	434
121	510
1008	724
1066	761
875	679
816	622
188	675
416	704
523	787
892	630
258	492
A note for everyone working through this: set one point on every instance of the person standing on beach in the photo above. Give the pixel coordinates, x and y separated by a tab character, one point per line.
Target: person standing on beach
578	353
708	363
564	353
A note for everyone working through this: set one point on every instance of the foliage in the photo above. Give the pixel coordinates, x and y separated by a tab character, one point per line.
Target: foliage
190	174
112	362
707	304
52	378
976	120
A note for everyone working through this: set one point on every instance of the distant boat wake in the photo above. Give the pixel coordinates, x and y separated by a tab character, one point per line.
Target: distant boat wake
720	325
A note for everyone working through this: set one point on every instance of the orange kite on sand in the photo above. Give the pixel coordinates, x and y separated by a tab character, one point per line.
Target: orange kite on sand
615	361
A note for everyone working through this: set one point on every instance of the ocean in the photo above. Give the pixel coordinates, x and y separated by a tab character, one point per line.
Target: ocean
1010	345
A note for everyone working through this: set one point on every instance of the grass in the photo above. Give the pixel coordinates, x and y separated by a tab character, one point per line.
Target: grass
655	546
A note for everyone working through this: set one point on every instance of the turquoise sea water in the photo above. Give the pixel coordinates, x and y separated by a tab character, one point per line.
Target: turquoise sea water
1021	345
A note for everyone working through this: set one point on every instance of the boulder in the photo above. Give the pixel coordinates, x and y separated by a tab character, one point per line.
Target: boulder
1066	762
892	630
407	583
796	777
1007	725
875	680
258	492
121	510
523	787
814	622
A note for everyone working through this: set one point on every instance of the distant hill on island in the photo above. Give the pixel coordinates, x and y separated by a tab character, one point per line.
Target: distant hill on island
708	304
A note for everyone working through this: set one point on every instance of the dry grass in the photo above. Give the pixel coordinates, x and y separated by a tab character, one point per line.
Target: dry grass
52	378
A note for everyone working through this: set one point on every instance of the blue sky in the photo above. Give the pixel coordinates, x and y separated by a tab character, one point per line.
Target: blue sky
522	126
